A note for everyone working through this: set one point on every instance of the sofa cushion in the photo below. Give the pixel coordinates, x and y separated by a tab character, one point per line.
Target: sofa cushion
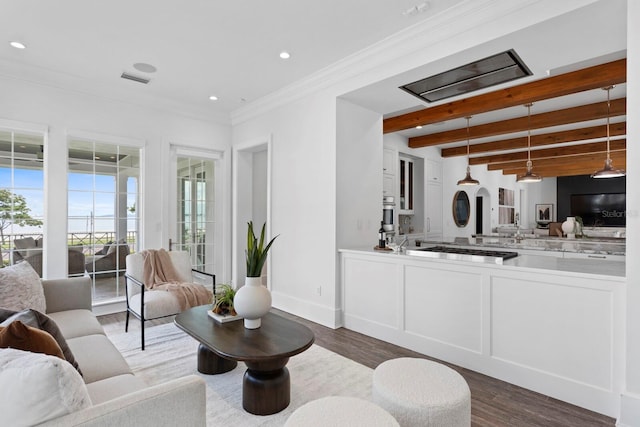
77	323
98	358
110	388
35	388
41	321
22	337
20	288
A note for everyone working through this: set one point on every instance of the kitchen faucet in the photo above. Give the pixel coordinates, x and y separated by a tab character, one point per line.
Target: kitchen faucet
404	242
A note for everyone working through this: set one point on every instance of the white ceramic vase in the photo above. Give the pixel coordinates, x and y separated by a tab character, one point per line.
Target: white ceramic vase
569	227
252	301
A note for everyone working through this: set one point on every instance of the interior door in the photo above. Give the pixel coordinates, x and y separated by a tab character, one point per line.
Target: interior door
195	225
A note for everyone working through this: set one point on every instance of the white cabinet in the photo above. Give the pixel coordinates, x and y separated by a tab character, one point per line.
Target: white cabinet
389	161
434	171
433	221
433	202
503	321
389	157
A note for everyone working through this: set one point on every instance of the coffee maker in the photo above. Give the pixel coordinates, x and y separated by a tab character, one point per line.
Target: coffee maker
387	215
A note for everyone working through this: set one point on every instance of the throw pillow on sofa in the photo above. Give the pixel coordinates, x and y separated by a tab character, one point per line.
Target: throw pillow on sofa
35	319
22	337
35	388
20	288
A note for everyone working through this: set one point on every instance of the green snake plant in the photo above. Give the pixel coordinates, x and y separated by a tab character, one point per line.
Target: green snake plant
256	252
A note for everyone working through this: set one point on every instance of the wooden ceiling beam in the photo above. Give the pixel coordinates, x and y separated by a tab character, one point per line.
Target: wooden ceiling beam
560	162
569	150
599	76
586	168
538	140
578	114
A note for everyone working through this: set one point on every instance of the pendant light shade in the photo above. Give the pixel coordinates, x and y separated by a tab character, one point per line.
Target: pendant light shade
529	176
467	180
608	171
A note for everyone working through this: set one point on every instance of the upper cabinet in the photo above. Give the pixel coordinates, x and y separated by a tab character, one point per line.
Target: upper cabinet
434	207
434	171
389	157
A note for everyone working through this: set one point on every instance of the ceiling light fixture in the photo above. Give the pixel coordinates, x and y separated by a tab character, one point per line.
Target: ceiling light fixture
144	67
18	45
285	55
213	98
467	179
529	176
608	171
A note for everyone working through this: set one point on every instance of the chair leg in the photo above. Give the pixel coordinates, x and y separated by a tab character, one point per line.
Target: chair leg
142	332
126	322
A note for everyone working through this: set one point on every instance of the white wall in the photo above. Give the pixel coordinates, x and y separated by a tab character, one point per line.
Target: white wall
630	405
303	204
64	111
359	177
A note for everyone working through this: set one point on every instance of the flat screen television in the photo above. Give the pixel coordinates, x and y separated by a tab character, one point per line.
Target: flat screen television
600	210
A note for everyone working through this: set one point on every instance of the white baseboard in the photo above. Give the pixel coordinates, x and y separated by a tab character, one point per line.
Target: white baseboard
629	410
324	315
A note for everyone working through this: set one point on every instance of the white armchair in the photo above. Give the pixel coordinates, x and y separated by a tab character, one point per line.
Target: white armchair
148	304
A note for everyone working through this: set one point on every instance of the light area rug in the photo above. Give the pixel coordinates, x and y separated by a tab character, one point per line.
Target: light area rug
170	353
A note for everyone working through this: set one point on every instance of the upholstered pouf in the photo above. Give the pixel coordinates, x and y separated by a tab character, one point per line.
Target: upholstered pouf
419	392
340	411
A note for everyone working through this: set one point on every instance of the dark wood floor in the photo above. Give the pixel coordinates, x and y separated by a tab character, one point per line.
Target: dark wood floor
493	402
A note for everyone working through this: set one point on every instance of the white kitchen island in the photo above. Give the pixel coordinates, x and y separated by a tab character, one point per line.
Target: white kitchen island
552	325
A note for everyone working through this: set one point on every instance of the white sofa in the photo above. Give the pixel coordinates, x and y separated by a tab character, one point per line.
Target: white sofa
118	397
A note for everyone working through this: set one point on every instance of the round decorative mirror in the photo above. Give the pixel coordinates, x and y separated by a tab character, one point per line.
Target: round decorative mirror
461	209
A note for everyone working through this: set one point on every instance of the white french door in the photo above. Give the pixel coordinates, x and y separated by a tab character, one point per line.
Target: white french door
196	228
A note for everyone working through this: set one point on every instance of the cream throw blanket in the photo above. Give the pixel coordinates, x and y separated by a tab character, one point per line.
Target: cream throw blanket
159	274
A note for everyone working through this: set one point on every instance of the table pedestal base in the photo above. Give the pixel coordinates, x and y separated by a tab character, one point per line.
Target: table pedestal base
210	363
266	387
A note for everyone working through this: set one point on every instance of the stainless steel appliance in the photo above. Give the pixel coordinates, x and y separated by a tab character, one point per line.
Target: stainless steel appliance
388	203
475	255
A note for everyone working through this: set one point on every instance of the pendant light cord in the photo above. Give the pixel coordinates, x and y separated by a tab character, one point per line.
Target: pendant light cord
608	116
529	164
468	137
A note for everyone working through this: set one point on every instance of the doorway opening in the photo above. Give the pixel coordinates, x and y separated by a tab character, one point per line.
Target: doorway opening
252	201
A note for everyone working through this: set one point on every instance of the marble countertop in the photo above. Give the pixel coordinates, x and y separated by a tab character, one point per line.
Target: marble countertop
603	246
573	267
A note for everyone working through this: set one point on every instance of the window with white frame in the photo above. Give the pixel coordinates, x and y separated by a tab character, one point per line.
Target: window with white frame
22	197
103	211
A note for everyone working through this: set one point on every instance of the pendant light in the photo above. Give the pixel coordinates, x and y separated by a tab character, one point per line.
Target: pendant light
529	176
608	171
467	179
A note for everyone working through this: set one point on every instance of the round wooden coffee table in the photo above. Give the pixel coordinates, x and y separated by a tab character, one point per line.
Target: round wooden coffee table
266	387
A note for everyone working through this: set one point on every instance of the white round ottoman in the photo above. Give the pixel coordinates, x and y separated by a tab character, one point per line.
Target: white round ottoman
340	411
419	392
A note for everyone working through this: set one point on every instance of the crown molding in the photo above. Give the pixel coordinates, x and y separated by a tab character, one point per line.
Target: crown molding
39	76
410	48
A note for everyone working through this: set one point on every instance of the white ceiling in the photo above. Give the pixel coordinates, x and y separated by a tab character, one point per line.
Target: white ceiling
229	48
589	36
200	48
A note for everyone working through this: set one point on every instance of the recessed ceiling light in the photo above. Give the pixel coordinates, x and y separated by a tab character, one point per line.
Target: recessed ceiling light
285	55
213	98
18	45
145	68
